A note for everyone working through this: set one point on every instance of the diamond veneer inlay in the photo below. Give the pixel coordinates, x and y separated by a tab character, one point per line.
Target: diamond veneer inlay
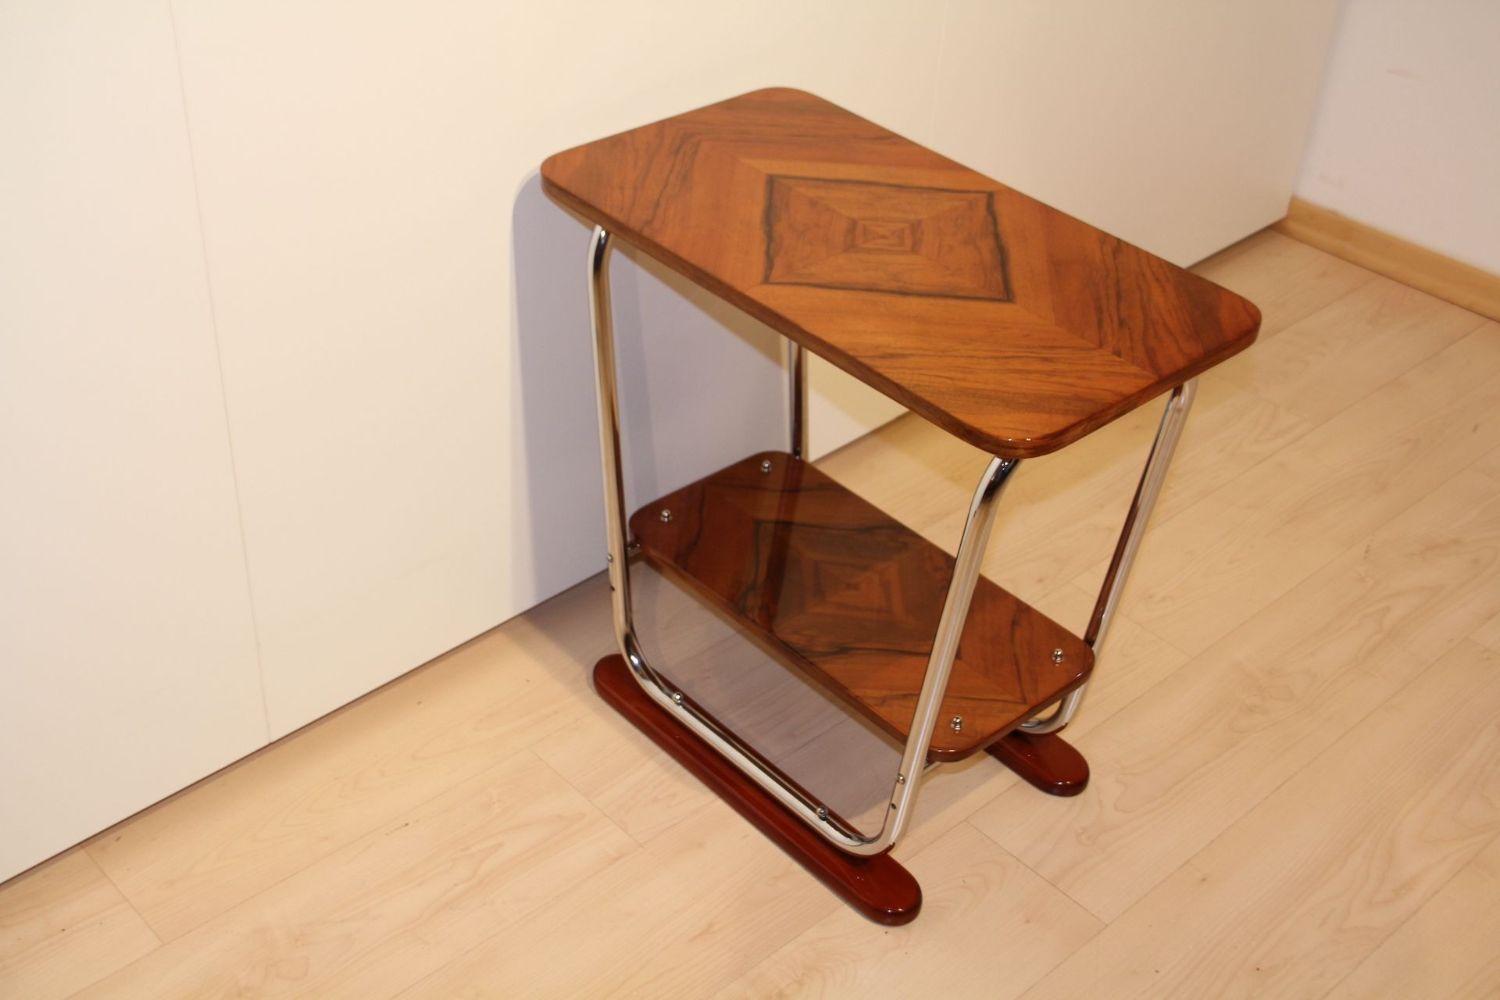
884	238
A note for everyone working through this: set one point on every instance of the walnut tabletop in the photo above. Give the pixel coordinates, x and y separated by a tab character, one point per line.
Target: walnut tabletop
1007	323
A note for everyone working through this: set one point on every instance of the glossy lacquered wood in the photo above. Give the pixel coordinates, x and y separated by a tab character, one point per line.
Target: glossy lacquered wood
833	587
1010	324
878	887
1048	762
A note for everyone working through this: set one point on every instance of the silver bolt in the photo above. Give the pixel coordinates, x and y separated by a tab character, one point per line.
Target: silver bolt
677	698
822	812
665	515
609	558
956	723
900	779
765	465
1057	656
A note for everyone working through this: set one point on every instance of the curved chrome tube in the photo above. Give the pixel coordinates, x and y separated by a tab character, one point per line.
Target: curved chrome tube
971	547
607	393
945	643
1146	492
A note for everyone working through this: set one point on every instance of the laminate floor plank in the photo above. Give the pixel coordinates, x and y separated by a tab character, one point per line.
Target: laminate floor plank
196	855
1298	892
1215	565
1488	634
1177	766
1444	950
376	915
989	928
1285	278
1336	356
63	926
681	917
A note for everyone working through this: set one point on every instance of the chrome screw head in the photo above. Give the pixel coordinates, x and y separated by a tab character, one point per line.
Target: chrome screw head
956	723
822	812
765	465
677	697
665	515
1057	656
900	779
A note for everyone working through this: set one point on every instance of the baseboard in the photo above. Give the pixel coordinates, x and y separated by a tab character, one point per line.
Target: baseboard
1454	281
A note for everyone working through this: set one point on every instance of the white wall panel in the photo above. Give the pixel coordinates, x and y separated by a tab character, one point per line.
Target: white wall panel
127	655
1175	124
1407	135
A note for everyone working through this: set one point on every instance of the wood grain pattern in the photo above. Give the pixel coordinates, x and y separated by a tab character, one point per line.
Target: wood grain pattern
1298	891
878	887
1320	365
1001	928
202	852
839	590
679	918
1223	733
1447	948
414	892
1236	550
1012	325
63	925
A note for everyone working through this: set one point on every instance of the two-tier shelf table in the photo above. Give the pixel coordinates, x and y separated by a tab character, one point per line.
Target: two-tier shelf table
1009	324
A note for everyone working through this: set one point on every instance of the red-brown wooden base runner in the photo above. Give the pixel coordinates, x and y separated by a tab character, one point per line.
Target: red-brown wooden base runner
878	887
1048	762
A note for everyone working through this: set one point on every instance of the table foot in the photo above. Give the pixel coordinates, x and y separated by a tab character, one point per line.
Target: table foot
878	887
1048	762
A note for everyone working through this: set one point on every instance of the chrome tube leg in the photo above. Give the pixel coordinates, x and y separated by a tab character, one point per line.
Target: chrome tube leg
945	643
609	439
971	548
656	687
1146	492
796	370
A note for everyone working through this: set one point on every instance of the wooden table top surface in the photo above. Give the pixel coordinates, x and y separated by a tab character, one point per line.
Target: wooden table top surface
1010	324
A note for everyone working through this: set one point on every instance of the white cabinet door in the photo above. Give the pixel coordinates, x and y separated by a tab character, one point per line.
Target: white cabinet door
127	653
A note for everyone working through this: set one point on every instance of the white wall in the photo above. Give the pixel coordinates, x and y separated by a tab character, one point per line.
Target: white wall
1407	135
337	211
127	648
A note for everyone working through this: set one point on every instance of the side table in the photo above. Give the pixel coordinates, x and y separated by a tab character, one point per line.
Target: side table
1007	323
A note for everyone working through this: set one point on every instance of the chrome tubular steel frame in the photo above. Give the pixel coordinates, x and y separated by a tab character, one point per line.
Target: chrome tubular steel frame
796	371
945	644
1146	492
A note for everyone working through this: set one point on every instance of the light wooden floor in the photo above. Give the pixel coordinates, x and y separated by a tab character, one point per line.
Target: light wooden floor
1294	733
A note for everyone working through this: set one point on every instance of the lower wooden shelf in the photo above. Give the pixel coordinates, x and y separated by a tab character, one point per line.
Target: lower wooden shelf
831	586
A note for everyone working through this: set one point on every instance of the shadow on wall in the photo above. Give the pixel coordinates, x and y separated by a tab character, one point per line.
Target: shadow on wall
693	399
